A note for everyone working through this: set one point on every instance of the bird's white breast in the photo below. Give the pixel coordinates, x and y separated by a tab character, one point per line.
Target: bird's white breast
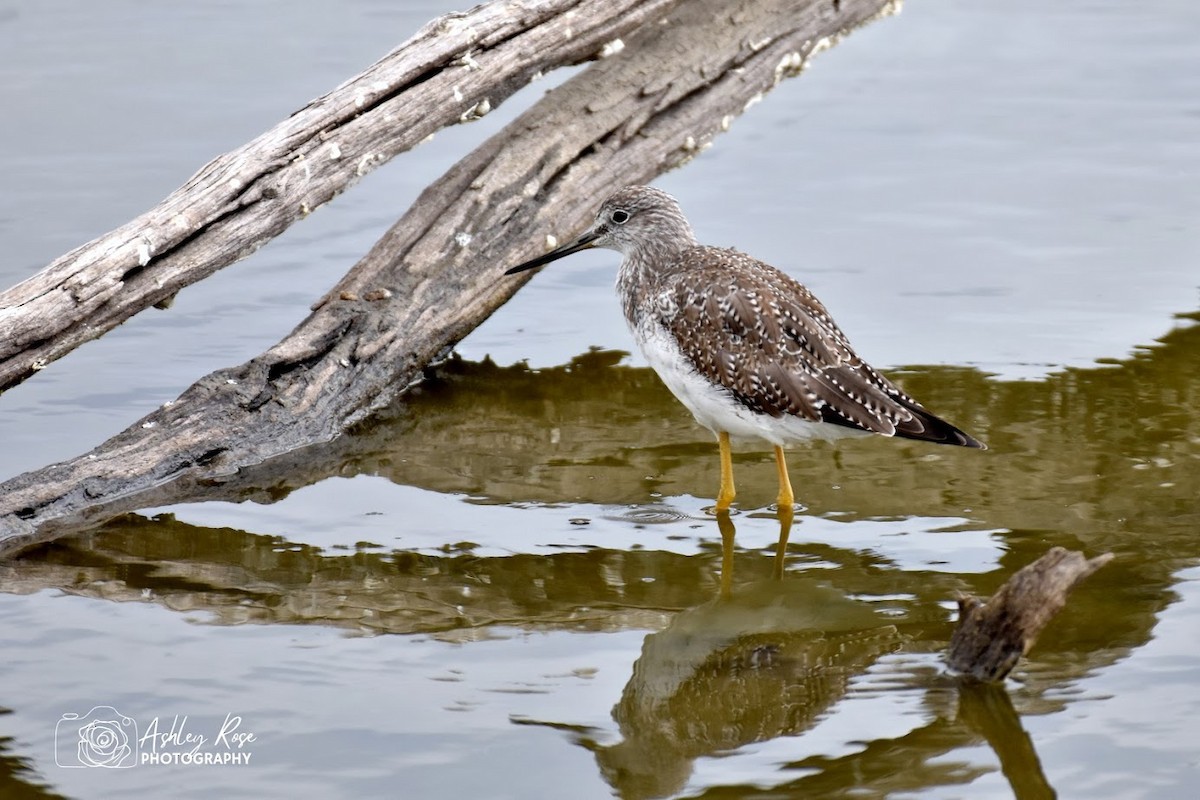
715	407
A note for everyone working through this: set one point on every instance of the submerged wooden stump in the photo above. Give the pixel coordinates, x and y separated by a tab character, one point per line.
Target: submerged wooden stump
992	635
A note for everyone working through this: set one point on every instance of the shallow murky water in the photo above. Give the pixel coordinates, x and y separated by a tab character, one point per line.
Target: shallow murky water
507	586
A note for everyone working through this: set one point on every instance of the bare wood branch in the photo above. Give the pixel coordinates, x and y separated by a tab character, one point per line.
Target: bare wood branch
991	636
453	70
436	274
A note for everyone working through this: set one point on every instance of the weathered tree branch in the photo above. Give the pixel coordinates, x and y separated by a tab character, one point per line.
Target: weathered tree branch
992	635
454	70
435	275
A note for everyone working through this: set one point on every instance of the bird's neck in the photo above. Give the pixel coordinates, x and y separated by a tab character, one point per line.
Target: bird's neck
644	269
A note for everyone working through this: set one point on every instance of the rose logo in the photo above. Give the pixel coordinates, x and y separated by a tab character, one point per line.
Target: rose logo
102	743
104	737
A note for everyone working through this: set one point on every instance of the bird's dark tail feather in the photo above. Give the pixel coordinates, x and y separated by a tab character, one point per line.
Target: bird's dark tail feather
928	428
924	427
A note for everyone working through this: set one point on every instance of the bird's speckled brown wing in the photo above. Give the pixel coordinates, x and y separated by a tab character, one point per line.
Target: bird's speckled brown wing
763	336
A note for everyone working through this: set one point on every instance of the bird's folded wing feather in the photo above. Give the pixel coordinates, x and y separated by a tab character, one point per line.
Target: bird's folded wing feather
771	343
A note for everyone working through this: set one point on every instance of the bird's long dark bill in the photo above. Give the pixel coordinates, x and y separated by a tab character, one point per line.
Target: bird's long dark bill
582	243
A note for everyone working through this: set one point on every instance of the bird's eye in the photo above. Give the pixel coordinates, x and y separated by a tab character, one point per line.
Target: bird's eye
620	216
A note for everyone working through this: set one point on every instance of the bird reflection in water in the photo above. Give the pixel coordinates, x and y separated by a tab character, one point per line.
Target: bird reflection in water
769	658
761	660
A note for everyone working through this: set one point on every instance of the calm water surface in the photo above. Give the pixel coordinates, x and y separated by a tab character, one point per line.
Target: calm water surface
507	586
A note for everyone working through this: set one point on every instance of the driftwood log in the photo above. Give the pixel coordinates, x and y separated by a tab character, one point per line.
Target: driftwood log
679	79
992	635
454	70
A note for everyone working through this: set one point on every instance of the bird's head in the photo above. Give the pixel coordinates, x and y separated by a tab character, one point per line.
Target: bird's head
633	219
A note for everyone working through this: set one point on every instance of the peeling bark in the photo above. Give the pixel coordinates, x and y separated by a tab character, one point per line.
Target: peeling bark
453	70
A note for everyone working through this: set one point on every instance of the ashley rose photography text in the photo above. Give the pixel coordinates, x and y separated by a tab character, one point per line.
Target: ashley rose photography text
108	739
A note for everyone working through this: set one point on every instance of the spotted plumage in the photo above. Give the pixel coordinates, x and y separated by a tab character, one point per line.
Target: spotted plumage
749	350
763	337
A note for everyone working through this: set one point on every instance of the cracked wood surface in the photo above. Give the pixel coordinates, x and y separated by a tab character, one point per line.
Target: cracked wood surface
453	70
435	275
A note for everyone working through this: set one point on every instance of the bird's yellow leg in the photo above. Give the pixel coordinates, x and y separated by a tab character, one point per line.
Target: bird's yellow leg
727	493
786	498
